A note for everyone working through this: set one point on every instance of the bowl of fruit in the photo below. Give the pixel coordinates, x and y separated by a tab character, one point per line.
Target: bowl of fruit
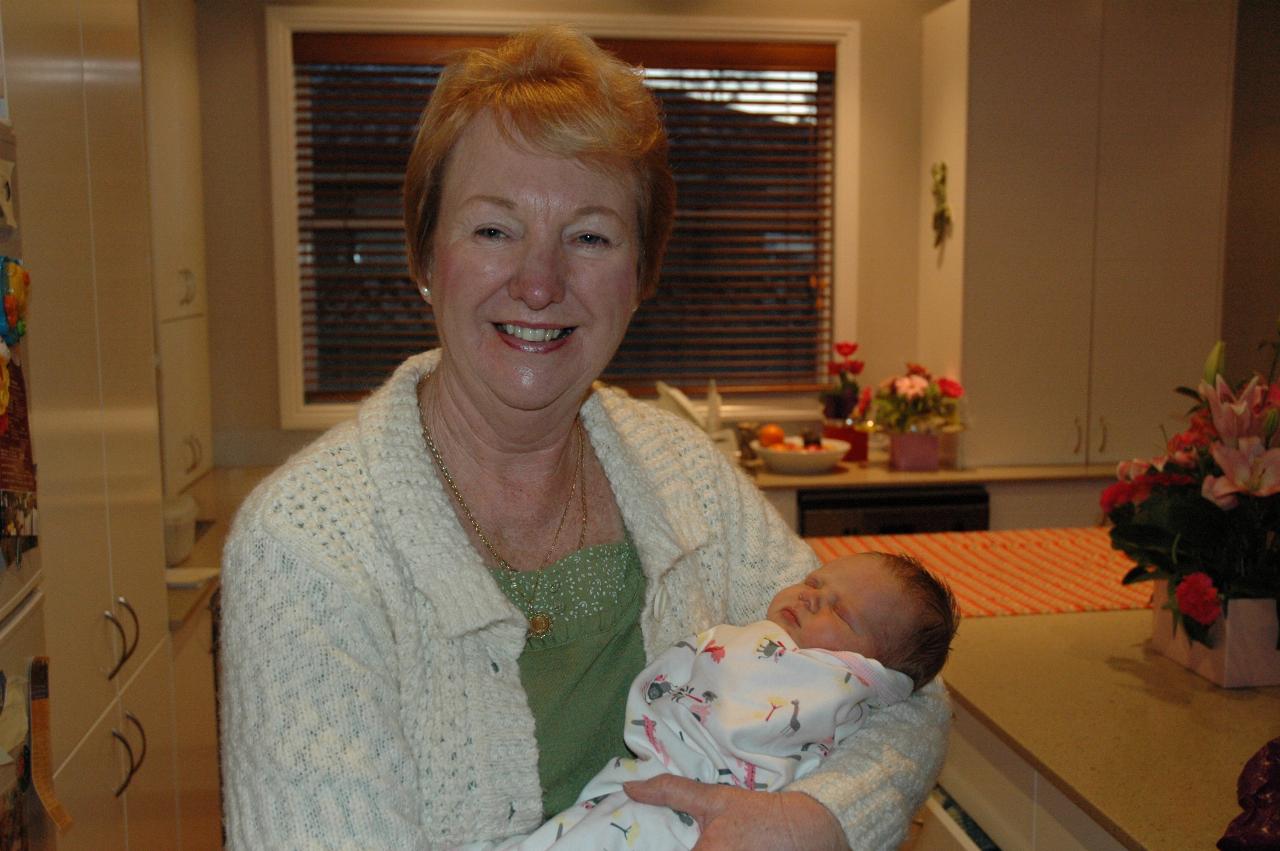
810	453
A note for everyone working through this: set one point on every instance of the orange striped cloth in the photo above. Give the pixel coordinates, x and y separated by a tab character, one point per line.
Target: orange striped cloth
1021	572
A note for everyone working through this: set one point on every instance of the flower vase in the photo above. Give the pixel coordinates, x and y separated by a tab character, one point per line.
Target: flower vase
1244	642
851	434
914	451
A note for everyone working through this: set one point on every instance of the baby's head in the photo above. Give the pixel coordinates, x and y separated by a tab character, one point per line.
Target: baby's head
885	607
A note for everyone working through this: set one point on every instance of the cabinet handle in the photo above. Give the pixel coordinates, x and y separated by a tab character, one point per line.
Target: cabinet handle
1102	444
199	445
1079	437
142	757
192	445
137	628
188	279
124	644
124	784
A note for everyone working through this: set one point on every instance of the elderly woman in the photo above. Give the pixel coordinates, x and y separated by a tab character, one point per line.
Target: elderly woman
432	615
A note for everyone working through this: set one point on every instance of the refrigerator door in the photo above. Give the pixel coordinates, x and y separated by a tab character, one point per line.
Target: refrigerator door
19	557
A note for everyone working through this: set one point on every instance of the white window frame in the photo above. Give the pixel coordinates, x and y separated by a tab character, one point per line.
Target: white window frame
283	21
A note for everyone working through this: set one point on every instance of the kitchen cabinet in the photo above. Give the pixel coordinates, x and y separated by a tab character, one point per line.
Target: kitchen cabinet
151	807
187	431
172	91
121	795
1087	170
83	210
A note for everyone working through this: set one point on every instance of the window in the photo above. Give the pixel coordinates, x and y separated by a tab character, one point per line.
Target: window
745	293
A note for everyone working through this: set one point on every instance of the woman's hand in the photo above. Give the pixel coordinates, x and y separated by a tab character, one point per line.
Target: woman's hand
737	820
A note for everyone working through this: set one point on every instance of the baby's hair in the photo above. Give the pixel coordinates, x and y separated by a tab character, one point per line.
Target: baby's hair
925	649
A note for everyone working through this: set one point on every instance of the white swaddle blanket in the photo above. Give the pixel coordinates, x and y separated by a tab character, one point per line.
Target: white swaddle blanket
734	705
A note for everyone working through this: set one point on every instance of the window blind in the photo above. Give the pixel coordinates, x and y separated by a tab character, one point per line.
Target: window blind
744	295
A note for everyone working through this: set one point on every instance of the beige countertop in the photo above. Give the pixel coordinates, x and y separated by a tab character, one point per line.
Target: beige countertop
876	473
218	494
1146	748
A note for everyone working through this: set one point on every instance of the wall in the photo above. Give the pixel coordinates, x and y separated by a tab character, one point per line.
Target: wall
1251	303
237	203
944	96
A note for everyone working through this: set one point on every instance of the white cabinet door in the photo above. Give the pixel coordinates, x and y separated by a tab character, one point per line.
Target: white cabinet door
86	786
1162	176
187	433
173	157
1030	159
151	807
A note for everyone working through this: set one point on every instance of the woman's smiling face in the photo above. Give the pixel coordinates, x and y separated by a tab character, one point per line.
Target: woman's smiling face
855	603
533	269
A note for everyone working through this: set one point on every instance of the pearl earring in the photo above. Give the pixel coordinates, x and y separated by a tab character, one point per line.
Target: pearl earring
426	292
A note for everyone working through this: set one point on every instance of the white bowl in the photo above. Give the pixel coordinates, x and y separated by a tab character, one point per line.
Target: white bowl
801	461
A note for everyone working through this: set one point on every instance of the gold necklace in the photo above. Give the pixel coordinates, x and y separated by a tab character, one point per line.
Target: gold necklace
540	621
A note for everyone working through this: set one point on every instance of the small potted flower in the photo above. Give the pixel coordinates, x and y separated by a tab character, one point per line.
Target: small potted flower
843	405
914	410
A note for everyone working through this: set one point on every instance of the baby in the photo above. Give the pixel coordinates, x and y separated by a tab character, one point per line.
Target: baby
758	706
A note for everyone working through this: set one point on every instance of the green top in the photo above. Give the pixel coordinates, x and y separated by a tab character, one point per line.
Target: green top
577	676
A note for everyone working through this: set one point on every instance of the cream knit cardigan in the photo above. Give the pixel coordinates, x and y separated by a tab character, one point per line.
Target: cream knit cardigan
371	694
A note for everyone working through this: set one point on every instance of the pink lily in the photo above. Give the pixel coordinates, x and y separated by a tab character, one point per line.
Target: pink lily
1234	415
1250	468
1127	471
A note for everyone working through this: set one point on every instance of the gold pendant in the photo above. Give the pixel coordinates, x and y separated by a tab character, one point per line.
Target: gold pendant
539	624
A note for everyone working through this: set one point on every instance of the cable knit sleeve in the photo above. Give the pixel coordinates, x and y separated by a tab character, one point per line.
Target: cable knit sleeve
877	779
314	755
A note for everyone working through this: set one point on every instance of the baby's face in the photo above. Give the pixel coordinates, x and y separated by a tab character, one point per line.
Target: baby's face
854	603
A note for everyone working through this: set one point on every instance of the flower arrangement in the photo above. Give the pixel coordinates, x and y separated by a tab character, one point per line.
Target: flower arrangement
840	401
1205	516
918	402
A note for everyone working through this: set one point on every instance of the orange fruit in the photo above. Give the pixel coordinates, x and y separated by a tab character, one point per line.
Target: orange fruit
770	434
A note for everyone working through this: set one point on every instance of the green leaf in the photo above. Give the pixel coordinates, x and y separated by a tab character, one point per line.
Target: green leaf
1141	573
1188	391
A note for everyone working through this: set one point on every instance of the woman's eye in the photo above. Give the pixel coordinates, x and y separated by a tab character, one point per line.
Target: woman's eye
811	582
489	233
593	239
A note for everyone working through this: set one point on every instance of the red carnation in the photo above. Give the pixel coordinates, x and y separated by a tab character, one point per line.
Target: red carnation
1116	495
834	367
916	369
1198	599
844	348
950	388
856	367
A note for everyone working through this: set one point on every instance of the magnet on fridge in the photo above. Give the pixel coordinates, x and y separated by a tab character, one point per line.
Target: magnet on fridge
8	218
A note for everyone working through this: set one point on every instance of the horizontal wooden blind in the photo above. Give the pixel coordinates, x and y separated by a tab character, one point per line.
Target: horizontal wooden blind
744	293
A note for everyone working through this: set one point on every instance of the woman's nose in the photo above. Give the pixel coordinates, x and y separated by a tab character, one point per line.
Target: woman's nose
539	280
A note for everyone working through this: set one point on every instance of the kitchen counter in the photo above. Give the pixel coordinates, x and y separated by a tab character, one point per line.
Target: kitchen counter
218	494
1070	722
875	472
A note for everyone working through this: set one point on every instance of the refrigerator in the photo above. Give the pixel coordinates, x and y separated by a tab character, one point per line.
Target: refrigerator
23	668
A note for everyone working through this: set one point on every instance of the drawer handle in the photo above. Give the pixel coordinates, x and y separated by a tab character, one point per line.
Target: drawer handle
194	446
1102	444
1079	437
